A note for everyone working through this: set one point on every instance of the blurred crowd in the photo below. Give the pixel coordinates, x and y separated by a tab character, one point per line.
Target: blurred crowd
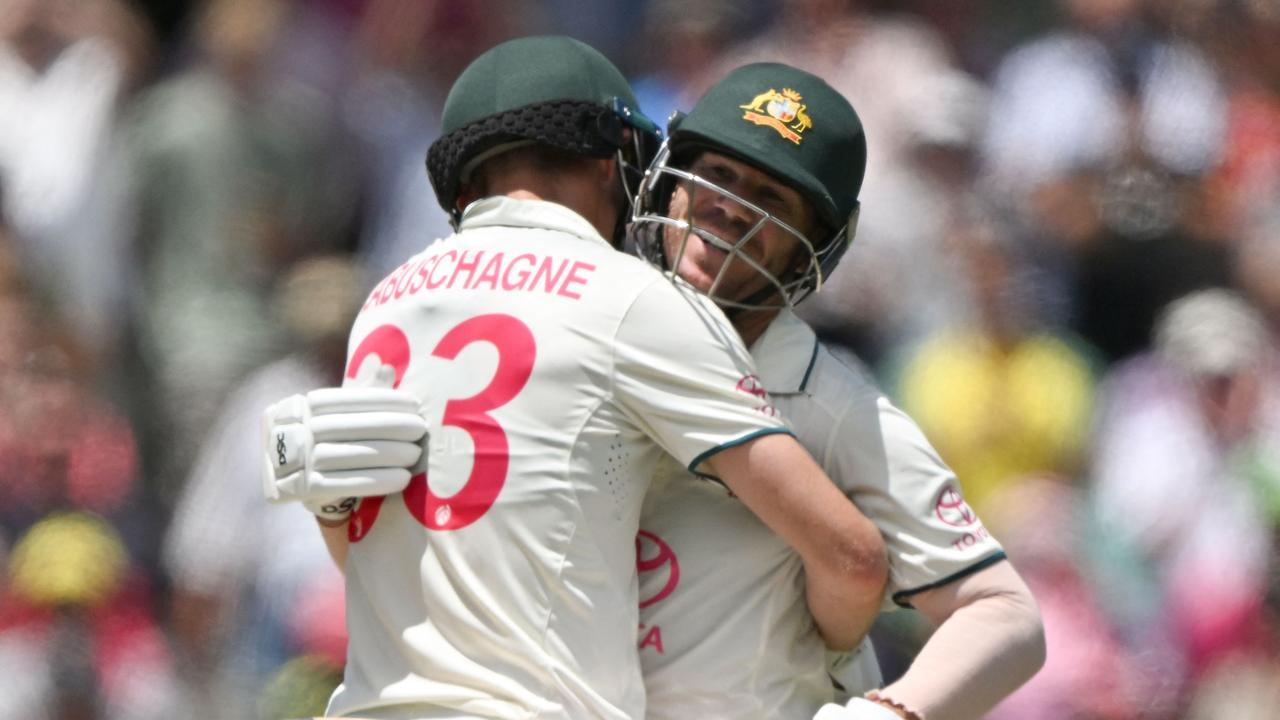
1067	269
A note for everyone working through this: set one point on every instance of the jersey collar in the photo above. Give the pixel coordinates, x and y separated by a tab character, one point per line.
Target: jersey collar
785	353
502	211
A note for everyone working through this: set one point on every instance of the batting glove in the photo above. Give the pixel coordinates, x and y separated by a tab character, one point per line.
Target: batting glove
856	709
330	447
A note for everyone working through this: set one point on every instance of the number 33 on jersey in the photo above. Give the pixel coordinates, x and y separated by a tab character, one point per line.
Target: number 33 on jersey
387	346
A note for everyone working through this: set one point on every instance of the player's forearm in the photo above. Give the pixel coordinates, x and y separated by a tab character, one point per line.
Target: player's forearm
846	565
985	647
843	613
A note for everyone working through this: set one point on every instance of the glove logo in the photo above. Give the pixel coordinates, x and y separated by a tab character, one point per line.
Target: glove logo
280	449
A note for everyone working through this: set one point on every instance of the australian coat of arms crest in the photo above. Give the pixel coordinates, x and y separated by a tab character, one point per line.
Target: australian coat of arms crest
781	111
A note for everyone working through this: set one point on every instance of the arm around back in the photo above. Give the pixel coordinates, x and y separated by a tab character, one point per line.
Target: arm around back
846	567
989	641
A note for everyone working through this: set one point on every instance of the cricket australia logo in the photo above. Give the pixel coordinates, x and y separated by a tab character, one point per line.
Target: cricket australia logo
781	111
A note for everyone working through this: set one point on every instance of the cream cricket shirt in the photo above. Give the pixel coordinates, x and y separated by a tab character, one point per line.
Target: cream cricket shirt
554	373
725	632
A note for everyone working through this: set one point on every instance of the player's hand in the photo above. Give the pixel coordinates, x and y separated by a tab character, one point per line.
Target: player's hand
330	447
856	709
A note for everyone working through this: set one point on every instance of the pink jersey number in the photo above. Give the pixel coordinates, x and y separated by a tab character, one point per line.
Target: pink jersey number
516	354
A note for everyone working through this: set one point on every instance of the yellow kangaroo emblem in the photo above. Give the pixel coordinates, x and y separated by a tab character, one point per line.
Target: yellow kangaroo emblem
757	103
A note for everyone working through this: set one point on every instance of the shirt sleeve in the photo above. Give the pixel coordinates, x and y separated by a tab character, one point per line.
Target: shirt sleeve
897	478
683	375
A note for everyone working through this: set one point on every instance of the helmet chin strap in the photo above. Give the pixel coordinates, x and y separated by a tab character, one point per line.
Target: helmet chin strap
625	207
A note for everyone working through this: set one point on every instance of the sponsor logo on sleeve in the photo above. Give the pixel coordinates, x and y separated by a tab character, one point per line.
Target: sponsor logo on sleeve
753	386
951	508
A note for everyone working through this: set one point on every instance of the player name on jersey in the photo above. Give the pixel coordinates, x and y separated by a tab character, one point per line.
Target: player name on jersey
482	270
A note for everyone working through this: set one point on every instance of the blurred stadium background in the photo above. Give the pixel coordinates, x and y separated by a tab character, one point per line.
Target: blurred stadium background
1068	270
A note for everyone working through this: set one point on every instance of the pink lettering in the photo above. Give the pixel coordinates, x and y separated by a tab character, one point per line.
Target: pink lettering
521	275
573	278
389	285
544	273
468	264
971	538
402	284
652	639
432	284
420	277
490	273
373	296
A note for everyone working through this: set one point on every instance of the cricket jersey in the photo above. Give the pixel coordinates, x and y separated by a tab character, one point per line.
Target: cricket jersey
725	632
554	373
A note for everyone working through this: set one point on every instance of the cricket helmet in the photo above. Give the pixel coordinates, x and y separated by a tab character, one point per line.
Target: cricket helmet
789	124
550	90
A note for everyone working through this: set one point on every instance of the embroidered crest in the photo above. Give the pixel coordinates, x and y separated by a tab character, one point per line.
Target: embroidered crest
781	111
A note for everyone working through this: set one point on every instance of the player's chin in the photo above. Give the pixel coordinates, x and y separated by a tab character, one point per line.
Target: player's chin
701	271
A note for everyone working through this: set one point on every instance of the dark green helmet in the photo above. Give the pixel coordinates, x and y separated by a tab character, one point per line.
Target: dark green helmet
789	124
552	90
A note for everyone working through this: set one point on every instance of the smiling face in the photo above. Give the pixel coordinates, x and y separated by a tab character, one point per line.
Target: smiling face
765	240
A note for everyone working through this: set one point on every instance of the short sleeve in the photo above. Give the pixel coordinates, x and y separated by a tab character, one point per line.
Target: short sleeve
683	375
932	535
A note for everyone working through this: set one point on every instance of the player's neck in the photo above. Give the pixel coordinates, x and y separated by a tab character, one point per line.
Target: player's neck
751	324
586	191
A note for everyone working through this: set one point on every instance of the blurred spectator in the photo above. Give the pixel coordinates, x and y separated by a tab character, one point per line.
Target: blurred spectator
65	66
1100	134
898	284
1071	99
678	41
253	584
876	60
1246	186
65	446
1188	445
238	173
1000	395
78	637
1256	266
78	640
408	53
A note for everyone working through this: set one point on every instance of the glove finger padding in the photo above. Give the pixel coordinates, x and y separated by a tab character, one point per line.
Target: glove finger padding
328	401
328	486
364	482
329	457
372	425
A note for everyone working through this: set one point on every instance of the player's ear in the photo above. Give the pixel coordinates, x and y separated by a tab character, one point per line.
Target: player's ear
607	168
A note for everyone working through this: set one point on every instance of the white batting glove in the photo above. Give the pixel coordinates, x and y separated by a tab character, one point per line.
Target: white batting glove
330	447
856	709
